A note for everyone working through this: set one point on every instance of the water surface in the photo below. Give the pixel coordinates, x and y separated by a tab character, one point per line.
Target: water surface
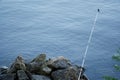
61	27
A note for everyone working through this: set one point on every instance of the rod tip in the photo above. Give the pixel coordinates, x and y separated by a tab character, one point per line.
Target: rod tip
98	10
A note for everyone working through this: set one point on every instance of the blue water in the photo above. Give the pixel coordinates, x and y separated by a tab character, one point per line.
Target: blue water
61	28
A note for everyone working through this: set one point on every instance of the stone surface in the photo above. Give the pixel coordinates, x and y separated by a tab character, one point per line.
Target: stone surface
70	73
40	77
7	77
59	63
29	74
58	68
34	67
39	66
40	58
40	69
46	70
22	75
17	65
3	70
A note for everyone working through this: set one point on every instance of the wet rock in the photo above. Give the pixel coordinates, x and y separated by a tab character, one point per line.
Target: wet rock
39	66
34	67
22	75
17	65
29	74
40	69
70	73
3	70
59	63
58	68
40	77
44	70
7	77
40	58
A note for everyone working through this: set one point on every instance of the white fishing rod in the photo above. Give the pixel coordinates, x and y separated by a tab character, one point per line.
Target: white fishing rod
88	43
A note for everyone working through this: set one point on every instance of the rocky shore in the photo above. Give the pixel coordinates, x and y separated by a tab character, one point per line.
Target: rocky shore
40	68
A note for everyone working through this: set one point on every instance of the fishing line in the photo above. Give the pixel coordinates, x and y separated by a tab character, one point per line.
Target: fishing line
88	43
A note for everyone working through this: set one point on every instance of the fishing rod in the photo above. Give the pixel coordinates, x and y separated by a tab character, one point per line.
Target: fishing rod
88	43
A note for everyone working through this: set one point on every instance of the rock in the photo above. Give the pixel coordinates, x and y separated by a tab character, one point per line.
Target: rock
39	66
84	77
46	70
22	75
17	65
40	77
3	70
39	69
34	67
7	77
5	67
58	68
59	63
71	73
40	58
29	74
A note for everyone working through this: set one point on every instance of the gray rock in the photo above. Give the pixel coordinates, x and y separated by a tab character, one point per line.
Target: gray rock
40	77
40	69
46	70
29	74
7	77
17	65
59	63
39	66
40	58
71	73
34	66
22	75
3	70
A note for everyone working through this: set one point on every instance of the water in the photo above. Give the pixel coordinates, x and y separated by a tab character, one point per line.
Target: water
61	27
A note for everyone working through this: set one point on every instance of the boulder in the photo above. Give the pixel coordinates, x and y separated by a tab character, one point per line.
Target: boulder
22	75
70	73
3	70
29	74
59	63
7	77
40	77
58	68
46	70
40	58
17	65
33	67
39	66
